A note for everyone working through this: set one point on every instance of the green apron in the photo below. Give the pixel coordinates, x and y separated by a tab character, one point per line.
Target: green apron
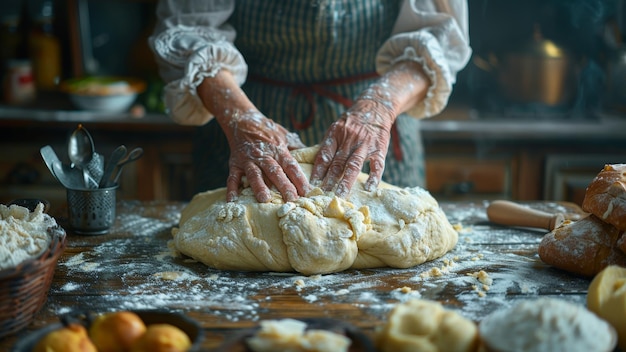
307	60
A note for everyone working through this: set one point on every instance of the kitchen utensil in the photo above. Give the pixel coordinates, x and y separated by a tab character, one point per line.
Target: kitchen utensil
88	180
512	214
110	165
49	157
69	177
132	156
80	147
95	167
91	211
539	71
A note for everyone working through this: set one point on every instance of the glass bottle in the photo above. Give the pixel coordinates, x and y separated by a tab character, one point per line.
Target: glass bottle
44	45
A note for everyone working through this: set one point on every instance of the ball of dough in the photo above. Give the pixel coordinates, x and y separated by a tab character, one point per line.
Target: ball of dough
607	298
292	335
316	234
421	325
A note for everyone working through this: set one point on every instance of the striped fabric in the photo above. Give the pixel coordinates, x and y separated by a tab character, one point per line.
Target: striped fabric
307	42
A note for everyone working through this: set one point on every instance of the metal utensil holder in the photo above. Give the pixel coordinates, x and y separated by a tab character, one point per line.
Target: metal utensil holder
91	211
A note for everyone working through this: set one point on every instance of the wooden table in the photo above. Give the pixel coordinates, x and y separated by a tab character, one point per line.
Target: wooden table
133	268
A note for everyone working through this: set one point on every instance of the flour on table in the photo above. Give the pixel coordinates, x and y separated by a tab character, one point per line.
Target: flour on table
23	235
546	324
319	233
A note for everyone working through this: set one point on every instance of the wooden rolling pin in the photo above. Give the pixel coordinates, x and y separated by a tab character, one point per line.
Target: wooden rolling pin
512	214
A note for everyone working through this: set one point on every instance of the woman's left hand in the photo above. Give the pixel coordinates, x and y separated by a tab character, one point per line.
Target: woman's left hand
363	131
361	134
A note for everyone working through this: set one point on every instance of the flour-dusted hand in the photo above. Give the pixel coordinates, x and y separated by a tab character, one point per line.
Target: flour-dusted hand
259	147
360	135
260	152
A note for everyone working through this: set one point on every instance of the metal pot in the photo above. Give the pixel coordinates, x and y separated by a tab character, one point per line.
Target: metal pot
539	71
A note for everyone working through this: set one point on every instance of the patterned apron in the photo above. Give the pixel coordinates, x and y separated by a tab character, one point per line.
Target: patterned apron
307	61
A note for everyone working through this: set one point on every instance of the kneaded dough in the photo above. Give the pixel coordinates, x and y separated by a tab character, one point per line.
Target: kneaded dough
423	325
291	335
317	234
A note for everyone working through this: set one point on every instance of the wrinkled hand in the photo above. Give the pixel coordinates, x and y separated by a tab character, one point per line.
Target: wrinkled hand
361	134
259	150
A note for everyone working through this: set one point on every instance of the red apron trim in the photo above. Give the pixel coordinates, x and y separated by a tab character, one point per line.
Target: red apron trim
319	88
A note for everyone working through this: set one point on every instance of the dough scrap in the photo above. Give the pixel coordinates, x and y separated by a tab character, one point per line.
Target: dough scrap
423	325
291	335
316	234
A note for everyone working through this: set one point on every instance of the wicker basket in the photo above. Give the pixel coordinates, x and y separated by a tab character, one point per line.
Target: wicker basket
24	289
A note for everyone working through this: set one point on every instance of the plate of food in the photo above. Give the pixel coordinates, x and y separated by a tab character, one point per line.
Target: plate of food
307	334
136	330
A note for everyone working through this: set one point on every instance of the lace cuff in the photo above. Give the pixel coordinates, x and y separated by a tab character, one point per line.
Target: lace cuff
187	55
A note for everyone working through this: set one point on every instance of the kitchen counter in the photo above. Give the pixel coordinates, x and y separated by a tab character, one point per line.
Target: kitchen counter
133	268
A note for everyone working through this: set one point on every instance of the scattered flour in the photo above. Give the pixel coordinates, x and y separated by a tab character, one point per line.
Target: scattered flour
486	271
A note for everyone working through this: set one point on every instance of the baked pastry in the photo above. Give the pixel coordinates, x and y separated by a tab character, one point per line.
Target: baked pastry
605	196
583	247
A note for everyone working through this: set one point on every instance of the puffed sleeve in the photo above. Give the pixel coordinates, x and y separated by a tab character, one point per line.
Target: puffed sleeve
192	41
435	34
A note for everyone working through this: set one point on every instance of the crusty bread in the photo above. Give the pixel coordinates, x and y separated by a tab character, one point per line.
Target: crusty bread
605	196
583	247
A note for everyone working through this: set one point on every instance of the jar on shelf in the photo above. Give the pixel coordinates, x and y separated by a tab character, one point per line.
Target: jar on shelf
44	45
19	85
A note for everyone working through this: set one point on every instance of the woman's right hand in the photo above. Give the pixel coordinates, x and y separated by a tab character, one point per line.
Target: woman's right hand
259	147
259	150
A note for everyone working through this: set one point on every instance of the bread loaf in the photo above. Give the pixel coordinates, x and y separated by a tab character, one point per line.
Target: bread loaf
605	196
583	247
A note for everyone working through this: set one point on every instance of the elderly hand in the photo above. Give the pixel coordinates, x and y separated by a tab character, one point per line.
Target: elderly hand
360	135
259	150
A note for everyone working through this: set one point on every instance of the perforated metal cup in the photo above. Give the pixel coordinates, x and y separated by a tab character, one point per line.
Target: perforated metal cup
91	211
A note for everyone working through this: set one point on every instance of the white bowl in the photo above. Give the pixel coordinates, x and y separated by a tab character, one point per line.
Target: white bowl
103	93
104	103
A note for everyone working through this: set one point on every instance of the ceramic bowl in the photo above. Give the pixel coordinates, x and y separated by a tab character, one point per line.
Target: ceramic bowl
103	94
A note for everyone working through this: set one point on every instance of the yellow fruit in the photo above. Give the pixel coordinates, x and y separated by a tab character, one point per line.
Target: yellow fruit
117	331
607	298
162	338
72	338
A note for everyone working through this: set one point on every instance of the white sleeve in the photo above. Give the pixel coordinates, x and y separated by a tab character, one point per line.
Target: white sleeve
192	41
435	34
